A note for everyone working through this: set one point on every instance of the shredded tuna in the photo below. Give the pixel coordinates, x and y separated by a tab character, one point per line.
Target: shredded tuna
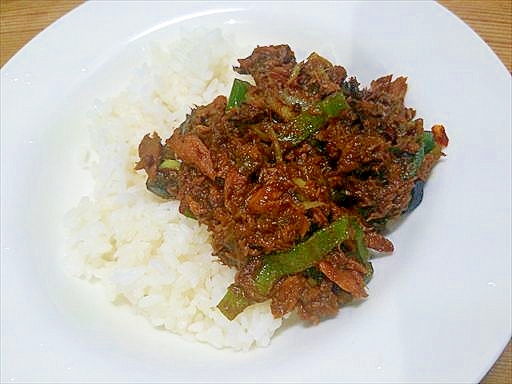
302	148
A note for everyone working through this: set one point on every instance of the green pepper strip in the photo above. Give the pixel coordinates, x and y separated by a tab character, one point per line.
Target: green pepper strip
303	256
233	302
310	121
428	141
427	146
237	94
362	252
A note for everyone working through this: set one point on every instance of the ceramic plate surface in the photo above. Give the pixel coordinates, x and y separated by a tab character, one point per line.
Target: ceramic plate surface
439	308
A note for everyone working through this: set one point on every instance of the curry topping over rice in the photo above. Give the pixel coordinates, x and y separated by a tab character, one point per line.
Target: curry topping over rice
296	174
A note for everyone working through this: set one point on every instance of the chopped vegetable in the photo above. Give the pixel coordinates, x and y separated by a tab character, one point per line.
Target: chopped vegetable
428	142
170	164
427	146
303	256
275	143
299	182
158	185
416	196
362	252
312	204
310	121
296	175
233	302
237	94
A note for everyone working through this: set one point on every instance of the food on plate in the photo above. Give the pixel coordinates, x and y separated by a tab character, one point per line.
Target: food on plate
129	243
295	174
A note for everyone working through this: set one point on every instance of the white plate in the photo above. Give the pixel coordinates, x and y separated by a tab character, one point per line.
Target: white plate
439	308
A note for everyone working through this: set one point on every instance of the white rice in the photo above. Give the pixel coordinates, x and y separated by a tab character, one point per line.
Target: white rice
138	246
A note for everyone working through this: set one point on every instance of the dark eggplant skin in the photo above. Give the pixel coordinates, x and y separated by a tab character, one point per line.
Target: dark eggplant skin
416	196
